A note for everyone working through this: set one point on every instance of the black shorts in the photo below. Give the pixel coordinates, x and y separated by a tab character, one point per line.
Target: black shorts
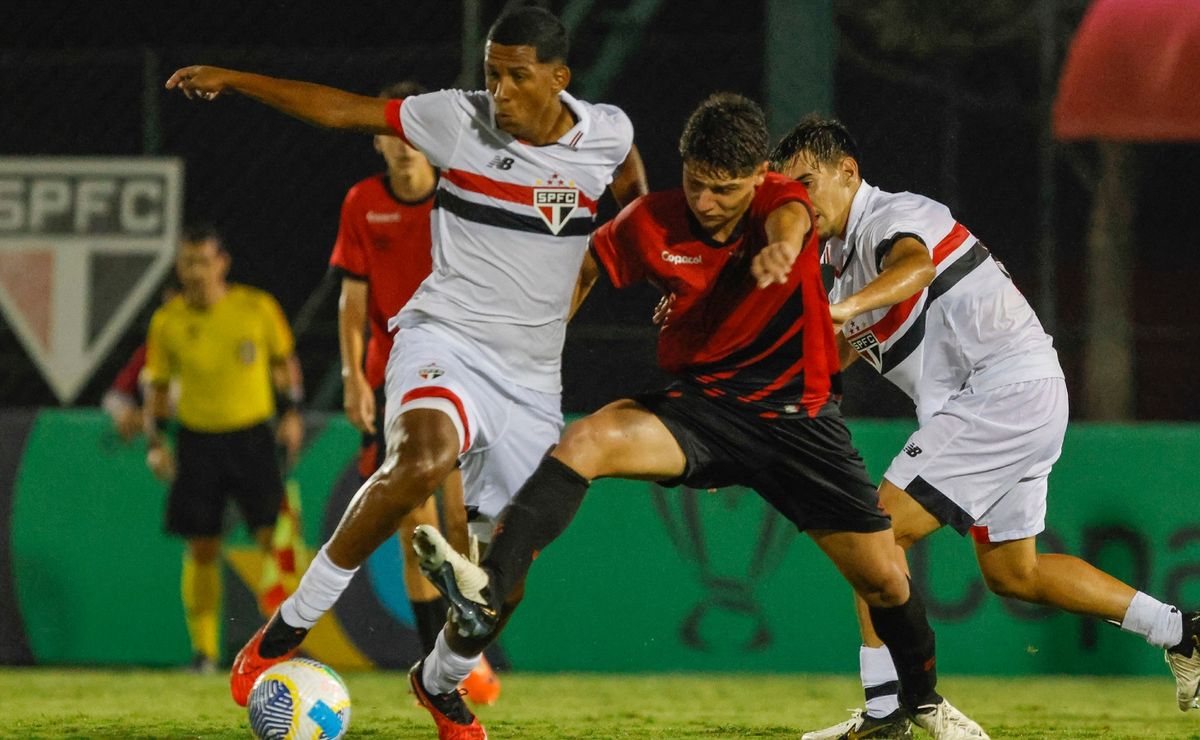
805	467
215	467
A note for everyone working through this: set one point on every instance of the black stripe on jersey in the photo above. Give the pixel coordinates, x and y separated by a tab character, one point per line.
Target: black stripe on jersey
906	344
492	216
785	318
886	245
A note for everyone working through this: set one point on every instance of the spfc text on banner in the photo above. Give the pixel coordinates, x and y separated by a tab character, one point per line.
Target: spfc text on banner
84	241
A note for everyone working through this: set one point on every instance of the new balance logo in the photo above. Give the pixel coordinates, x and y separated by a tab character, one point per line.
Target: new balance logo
501	162
912	450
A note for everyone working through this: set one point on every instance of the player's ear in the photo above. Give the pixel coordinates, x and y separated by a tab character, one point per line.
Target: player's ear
848	168
561	74
760	173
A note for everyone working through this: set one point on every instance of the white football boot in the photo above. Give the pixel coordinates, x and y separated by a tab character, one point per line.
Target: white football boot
944	722
1186	668
458	579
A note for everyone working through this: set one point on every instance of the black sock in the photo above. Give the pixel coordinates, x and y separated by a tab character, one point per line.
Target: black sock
280	637
430	617
906	632
536	516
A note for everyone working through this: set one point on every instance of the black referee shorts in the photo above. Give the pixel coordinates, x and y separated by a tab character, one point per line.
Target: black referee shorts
214	467
805	467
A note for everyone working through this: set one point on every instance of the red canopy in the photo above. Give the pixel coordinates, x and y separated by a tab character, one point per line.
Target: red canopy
1133	73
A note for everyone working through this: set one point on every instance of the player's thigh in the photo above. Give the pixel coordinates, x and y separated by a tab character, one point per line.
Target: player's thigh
911	522
868	561
1007	562
623	439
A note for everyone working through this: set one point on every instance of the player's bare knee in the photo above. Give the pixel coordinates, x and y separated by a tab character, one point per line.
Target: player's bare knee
584	444
1012	583
884	589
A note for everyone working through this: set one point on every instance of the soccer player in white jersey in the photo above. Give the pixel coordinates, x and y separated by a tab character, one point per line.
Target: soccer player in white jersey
924	302
474	374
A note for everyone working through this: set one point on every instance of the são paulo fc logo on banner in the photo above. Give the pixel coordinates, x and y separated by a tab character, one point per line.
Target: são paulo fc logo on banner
84	244
555	201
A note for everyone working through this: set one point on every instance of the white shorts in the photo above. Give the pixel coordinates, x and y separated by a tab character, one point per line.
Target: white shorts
980	463
504	429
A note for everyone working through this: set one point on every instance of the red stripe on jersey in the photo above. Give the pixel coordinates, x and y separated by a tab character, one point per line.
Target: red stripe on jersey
392	113
950	242
899	313
509	191
775	384
433	391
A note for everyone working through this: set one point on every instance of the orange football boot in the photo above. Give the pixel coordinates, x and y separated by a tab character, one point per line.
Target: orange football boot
482	685
249	664
454	721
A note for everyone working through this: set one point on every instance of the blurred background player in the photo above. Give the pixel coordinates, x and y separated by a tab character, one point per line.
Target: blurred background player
383	252
921	298
230	350
755	402
124	401
475	374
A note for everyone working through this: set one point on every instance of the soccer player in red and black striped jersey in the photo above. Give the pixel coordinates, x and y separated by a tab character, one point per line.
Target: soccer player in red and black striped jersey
751	344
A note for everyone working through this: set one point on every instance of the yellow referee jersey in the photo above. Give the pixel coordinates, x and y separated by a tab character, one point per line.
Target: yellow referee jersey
222	357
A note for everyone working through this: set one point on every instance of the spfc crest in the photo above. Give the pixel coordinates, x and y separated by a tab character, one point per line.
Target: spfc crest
555	202
84	244
867	345
431	372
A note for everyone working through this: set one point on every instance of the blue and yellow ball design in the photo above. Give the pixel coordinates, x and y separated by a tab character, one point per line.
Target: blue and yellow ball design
299	699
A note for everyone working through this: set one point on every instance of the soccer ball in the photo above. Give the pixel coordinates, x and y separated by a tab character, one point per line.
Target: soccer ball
299	698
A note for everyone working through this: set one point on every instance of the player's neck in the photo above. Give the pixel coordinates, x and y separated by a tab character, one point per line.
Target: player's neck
210	296
558	121
412	184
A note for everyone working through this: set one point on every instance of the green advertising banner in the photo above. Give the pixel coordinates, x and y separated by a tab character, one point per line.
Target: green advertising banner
646	579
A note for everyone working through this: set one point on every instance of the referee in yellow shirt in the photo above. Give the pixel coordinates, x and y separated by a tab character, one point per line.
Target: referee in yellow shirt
231	351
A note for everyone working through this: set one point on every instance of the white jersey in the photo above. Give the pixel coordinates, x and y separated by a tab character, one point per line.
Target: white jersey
970	328
510	224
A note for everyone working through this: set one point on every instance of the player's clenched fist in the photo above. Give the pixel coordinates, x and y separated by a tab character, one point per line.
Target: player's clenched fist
200	81
773	263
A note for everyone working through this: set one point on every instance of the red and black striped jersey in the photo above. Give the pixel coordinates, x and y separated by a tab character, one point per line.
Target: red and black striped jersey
386	242
768	348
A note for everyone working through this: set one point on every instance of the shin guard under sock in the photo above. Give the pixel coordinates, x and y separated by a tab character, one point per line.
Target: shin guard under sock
536	516
906	632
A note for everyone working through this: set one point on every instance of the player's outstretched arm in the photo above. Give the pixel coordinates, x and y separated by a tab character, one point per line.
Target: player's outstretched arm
787	227
907	269
629	182
319	105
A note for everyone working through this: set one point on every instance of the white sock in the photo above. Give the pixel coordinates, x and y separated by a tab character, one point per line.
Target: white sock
320	587
445	669
1161	624
881	685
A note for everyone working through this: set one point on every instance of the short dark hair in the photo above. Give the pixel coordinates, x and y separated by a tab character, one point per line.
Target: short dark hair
402	89
825	139
532	26
200	231
727	133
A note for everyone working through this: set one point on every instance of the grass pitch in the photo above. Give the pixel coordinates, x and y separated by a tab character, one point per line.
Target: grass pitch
49	703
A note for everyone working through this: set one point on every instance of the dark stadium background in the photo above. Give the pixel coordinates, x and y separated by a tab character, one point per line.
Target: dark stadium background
960	121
